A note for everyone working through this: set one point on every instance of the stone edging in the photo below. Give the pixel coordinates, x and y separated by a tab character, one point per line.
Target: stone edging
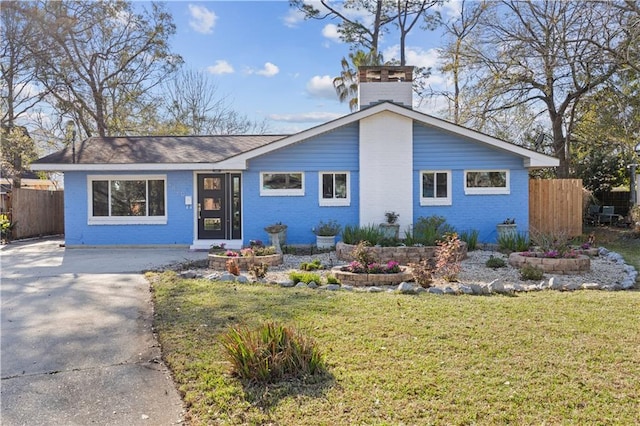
368	280
575	265
402	254
244	262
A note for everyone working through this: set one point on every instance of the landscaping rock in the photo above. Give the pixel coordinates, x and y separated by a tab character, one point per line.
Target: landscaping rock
590	286
331	287
496	286
188	274
301	285
420	290
465	289
571	287
347	287
312	284
555	284
435	290
213	277
286	284
227	277
242	279
374	290
405	288
449	290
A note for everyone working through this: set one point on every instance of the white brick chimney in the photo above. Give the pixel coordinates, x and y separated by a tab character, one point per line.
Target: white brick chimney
385	83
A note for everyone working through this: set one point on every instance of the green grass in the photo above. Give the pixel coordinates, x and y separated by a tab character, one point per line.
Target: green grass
623	241
538	358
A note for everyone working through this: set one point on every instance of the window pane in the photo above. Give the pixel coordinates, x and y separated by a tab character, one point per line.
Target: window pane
100	195
282	181
486	179
128	198
428	186
441	185
327	185
212	224
341	185
212	183
156	198
212	204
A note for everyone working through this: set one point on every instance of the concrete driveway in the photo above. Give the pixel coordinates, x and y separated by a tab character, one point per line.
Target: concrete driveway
76	342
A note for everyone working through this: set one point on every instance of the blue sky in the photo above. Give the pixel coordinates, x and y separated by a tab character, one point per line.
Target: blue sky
273	65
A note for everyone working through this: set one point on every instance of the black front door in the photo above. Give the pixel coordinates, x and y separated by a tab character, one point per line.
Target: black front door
219	209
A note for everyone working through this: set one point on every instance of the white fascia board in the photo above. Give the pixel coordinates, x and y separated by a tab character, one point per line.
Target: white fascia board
125	167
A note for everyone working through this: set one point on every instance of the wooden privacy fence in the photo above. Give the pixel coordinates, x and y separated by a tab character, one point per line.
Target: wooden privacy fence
37	212
555	206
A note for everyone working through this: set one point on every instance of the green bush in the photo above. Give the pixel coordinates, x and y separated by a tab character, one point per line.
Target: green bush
304	277
531	272
331	279
311	266
270	352
471	238
428	230
495	262
264	251
509	242
352	234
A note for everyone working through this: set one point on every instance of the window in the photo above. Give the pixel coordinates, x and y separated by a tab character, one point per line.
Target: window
334	189
435	188
486	182
127	199
279	183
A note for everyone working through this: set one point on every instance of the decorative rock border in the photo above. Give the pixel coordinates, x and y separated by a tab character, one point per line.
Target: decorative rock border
364	280
217	261
576	265
402	254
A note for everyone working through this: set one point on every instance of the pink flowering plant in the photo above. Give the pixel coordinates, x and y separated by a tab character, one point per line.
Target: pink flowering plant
231	253
356	267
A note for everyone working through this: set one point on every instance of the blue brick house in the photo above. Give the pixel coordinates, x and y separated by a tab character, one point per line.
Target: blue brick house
198	191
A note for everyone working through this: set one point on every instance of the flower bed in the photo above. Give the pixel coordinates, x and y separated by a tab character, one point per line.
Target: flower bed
402	255
219	261
365	280
556	265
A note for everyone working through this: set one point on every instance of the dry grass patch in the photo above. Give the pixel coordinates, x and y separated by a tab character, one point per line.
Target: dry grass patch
539	358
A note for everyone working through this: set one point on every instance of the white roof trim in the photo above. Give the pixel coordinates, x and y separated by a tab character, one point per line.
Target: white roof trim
531	159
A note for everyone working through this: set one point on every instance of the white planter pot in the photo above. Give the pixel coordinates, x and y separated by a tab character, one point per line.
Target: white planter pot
325	242
390	230
505	230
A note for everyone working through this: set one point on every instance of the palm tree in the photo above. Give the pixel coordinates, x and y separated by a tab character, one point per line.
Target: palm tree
346	84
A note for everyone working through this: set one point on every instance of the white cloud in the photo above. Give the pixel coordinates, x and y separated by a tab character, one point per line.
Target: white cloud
321	87
221	67
202	19
293	18
269	70
305	117
330	31
414	56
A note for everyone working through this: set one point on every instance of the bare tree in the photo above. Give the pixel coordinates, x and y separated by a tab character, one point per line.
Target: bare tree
193	106
549	55
100	60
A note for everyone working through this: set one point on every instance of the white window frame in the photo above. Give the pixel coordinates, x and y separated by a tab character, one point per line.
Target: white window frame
264	192
333	201
435	200
124	220
488	190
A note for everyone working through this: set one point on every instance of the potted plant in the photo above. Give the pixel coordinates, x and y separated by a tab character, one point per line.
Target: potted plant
326	233
390	229
507	228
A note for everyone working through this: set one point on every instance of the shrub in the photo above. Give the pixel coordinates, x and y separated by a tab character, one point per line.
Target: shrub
352	234
531	272
448	257
264	250
232	267
422	273
362	254
495	262
304	277
428	230
311	266
331	279
259	271
471	238
271	352
548	242
511	242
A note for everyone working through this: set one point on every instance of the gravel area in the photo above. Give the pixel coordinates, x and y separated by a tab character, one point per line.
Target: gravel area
605	271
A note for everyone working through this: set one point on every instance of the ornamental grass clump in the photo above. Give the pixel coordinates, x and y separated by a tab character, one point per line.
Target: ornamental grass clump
495	262
304	277
271	352
530	272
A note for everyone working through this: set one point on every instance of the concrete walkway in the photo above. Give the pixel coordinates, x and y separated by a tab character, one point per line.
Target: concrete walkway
76	343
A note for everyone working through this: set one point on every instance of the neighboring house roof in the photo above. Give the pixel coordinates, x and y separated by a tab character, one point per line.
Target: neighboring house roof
152	152
233	152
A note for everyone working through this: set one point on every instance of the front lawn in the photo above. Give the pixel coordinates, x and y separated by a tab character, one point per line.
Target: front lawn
536	358
621	240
